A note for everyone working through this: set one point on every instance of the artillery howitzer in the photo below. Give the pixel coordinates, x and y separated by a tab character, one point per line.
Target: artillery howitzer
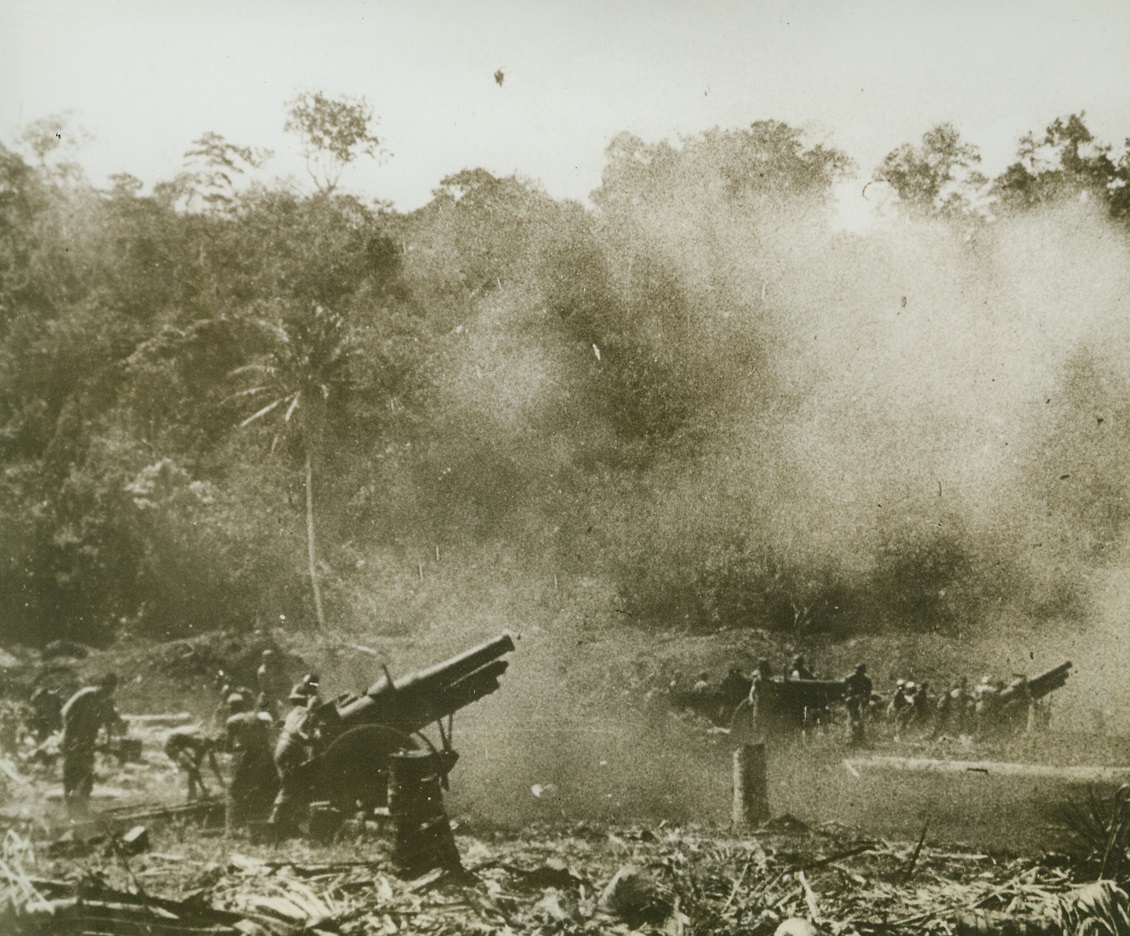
360	734
775	704
794	702
1013	709
1031	688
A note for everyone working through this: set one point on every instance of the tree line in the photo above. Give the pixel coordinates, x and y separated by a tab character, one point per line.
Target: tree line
224	399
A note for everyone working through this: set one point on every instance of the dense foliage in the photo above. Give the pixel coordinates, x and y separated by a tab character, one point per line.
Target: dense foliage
194	379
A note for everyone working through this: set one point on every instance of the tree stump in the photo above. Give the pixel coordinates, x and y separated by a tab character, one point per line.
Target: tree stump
751	788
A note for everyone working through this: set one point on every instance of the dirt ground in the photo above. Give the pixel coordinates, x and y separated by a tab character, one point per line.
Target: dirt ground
603	816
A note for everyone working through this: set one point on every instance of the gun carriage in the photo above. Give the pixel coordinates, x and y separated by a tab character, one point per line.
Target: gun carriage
361	734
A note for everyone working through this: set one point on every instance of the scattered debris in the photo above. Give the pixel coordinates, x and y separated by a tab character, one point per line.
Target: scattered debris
134	842
637	897
796	926
541	881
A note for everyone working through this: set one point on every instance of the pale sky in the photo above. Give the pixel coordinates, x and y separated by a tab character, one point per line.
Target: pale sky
146	78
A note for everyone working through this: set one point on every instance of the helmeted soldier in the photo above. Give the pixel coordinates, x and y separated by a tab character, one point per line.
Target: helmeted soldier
86	713
46	714
986	706
857	696
253	778
189	749
294	748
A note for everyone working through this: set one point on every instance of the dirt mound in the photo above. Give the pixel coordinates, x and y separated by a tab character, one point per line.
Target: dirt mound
237	655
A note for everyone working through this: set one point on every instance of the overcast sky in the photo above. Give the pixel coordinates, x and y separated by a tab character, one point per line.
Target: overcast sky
146	78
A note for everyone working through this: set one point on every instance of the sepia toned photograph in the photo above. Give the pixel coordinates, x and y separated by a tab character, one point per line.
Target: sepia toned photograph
565	468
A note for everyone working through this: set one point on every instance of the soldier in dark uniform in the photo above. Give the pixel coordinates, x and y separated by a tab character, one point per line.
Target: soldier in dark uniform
923	710
986	707
294	748
749	717
857	696
188	750
46	714
799	669
253	778
86	713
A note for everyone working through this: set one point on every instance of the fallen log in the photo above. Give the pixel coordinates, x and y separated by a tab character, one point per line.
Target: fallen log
165	720
201	809
1077	774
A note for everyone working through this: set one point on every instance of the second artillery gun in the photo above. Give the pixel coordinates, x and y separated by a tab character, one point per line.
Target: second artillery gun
361	734
788	705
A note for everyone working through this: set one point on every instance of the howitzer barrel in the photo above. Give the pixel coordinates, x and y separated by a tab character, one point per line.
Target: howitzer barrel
446	673
805	693
422	697
1040	685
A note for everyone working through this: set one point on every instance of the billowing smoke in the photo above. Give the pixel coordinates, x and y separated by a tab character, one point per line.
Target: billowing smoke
690	412
734	414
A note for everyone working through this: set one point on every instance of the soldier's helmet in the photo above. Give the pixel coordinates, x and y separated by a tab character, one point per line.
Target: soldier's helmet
109	682
861	667
910	685
236	702
300	693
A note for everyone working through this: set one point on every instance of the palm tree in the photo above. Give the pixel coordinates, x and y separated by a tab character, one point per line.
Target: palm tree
307	364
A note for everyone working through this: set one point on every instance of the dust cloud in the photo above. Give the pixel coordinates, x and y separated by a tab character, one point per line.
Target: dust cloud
921	427
917	429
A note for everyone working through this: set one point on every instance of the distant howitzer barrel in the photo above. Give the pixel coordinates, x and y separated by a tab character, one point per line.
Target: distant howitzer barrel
800	694
1037	686
425	696
789	703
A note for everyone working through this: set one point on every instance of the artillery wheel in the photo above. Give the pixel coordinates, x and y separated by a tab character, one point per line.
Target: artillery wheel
354	768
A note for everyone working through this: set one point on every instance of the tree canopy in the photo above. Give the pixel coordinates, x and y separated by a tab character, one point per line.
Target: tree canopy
335	132
636	393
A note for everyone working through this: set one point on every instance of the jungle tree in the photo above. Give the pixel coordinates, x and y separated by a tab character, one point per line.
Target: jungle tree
305	366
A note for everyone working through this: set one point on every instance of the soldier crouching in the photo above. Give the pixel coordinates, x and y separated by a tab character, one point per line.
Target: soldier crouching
188	750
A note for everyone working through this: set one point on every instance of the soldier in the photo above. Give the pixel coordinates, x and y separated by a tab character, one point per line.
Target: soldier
857	695
734	686
86	713
907	710
898	701
310	685
750	715
187	750
986	706
1016	713
253	778
46	714
225	686
921	703
951	712
799	669
295	746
